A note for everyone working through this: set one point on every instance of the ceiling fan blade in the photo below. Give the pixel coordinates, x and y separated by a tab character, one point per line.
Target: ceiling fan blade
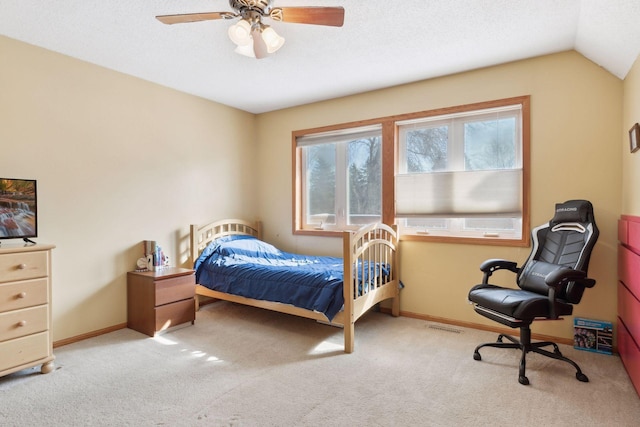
194	17
259	45
332	16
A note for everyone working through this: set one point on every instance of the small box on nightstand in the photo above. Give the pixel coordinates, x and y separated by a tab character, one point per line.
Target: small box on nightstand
159	300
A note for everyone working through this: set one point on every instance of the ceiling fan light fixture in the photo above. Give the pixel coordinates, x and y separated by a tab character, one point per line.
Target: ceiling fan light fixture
245	50
272	39
251	36
240	33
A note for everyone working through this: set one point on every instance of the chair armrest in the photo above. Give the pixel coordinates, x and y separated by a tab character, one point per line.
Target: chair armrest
491	265
558	277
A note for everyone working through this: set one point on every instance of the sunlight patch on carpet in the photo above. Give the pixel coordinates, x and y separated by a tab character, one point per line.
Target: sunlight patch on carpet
199	354
165	341
196	354
326	347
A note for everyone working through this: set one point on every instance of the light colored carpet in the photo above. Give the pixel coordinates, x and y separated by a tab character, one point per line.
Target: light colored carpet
242	366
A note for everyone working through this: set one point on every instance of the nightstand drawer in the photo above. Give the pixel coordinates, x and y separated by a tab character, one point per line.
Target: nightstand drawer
24	350
27	293
175	289
176	313
18	323
23	265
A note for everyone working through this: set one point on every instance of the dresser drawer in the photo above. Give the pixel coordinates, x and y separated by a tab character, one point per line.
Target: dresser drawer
24	350
629	310
175	289
27	321
629	354
26	293
628	268
23	265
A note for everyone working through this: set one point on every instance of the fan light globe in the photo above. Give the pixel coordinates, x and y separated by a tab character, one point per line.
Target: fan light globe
272	39
246	50
240	33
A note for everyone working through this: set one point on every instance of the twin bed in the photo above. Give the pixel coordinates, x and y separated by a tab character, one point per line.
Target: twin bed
233	263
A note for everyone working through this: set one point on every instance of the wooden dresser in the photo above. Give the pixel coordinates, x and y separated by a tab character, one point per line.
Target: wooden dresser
629	296
25	308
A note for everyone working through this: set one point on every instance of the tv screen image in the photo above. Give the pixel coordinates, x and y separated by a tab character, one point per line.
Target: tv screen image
18	208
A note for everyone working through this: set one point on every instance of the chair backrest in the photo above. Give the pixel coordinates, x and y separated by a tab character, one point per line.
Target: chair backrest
564	242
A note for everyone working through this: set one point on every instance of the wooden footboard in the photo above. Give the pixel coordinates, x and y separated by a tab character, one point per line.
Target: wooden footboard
371	272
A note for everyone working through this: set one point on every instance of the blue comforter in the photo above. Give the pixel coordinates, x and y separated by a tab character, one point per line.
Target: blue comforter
246	266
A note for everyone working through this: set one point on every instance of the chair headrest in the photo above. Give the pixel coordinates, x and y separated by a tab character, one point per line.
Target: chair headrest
580	211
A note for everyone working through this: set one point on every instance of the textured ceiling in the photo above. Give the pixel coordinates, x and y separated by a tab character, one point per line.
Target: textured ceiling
382	43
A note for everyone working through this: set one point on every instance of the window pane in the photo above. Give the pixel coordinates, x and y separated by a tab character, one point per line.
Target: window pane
426	223
460	174
490	224
320	184
365	181
490	144
427	149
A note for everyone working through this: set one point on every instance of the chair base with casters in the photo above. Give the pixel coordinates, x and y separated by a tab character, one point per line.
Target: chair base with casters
550	283
525	345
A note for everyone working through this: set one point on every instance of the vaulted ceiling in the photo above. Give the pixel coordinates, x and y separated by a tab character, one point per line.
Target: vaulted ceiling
382	43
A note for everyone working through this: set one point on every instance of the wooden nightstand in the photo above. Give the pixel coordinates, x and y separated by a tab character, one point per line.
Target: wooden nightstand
159	300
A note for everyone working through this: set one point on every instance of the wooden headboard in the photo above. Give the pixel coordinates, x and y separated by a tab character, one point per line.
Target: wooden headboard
201	236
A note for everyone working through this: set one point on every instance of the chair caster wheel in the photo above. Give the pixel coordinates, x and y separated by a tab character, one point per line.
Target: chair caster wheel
476	356
523	380
582	377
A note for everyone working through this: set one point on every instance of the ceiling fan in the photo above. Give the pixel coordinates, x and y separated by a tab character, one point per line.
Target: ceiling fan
254	38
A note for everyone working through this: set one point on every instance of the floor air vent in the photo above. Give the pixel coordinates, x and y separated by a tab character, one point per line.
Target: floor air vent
445	328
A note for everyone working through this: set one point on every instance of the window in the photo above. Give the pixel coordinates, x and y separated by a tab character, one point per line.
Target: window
458	173
341	178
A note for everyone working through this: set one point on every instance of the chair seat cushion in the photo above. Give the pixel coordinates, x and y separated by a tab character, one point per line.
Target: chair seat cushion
515	303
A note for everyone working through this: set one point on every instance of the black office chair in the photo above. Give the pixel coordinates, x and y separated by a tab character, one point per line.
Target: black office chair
550	282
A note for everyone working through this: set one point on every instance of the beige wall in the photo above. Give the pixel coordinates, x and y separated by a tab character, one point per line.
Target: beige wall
576	108
631	162
118	160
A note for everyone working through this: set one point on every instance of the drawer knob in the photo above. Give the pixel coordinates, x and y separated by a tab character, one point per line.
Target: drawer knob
22	323
22	295
22	266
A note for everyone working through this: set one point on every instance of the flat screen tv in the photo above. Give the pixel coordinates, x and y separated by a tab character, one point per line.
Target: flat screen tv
18	209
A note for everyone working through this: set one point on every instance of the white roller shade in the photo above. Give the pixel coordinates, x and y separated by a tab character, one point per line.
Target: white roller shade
466	193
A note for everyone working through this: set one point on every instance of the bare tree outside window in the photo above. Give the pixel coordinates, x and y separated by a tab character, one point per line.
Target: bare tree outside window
427	149
490	144
365	180
321	170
